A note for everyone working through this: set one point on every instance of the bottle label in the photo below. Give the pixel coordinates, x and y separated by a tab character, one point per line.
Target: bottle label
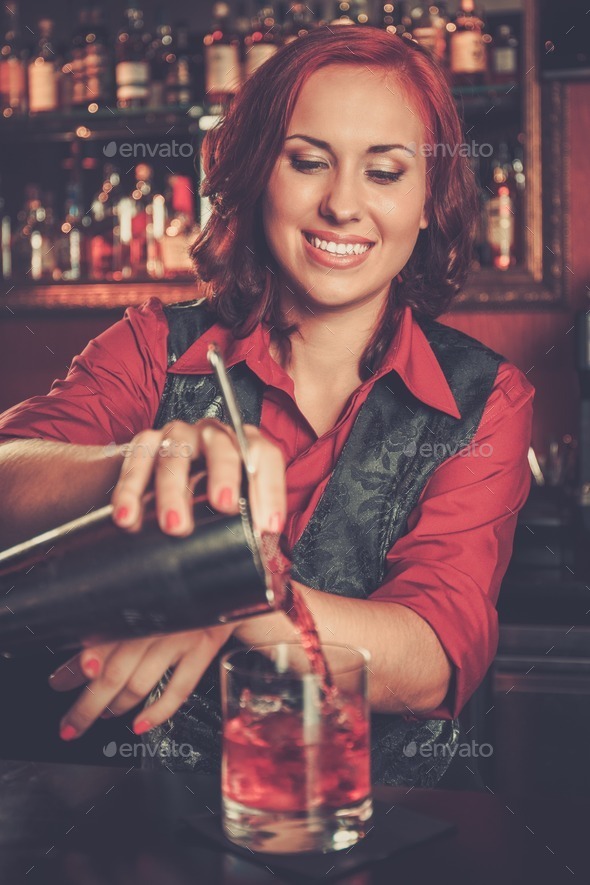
12	82
223	68
505	60
42	86
132	80
467	53
257	55
175	253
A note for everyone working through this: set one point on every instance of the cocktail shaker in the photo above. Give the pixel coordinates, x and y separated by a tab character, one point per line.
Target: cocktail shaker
90	581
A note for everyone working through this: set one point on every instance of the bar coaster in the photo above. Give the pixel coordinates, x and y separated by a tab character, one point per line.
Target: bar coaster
392	829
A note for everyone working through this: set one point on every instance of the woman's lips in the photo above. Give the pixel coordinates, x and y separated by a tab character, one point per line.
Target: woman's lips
333	260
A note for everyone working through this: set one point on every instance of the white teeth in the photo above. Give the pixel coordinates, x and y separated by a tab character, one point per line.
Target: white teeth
338	248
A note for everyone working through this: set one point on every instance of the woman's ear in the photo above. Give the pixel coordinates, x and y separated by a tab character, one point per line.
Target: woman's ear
424	219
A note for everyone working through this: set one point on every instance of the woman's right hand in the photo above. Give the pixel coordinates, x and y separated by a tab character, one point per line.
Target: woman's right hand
168	456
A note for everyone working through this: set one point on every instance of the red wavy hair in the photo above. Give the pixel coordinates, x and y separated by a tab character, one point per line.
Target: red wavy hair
239	153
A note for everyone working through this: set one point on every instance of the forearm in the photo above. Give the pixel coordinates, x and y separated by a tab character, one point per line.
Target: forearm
409	670
44	484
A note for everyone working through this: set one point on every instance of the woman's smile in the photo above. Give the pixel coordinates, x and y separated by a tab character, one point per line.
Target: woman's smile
336	255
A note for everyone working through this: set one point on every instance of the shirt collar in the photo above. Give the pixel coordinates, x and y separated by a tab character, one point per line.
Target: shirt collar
409	354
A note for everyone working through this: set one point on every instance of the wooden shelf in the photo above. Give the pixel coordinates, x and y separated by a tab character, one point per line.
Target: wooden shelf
96	296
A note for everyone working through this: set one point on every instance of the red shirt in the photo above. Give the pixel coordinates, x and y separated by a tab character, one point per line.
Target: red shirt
447	568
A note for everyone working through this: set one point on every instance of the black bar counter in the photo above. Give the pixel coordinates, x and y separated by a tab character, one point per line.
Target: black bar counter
65	824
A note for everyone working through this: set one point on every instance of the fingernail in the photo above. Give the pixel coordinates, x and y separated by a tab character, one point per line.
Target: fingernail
275	523
67	732
92	667
226	498
106	714
122	514
172	520
142	726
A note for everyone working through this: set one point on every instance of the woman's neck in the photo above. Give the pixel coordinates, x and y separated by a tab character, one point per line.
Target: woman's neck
328	346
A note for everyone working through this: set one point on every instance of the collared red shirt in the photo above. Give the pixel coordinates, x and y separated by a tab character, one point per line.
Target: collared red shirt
447	568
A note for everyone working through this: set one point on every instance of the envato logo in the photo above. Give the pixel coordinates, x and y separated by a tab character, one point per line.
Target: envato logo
466	750
133	751
463	149
142	150
435	450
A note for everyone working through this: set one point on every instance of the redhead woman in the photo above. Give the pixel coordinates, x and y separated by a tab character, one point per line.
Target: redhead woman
390	449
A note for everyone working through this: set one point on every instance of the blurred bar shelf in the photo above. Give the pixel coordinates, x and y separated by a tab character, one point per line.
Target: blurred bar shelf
100	296
105	122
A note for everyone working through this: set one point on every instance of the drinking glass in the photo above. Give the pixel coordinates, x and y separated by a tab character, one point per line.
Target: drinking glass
296	752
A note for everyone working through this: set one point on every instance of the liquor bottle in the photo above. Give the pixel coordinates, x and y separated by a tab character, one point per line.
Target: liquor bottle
501	212
424	30
263	40
132	72
104	250
44	72
160	56
13	89
99	68
71	244
78	56
141	246
504	56
222	60
184	74
180	228
467	52
34	240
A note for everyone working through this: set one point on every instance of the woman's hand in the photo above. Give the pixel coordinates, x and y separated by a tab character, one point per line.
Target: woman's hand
121	674
167	455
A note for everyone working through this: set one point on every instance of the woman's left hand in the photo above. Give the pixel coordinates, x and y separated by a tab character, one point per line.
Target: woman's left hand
121	674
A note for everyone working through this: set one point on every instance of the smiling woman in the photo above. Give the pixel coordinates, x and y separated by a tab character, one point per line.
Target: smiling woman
337	237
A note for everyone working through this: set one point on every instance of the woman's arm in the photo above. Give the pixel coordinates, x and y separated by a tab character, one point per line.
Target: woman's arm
409	670
45	484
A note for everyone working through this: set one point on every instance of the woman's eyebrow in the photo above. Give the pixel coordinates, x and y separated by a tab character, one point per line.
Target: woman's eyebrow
373	149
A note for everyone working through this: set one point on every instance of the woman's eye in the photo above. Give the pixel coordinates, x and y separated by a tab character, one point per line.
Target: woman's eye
305	165
380	175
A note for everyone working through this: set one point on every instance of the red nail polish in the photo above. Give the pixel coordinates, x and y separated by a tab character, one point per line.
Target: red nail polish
92	667
67	732
121	514
226	498
172	520
276	523
142	726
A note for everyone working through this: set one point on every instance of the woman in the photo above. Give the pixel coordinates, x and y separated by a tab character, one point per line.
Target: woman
390	449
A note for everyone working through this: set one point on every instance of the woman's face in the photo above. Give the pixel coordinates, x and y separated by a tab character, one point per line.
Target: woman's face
344	191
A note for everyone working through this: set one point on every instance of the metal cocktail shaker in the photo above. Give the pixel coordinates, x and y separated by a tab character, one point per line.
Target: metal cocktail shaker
91	581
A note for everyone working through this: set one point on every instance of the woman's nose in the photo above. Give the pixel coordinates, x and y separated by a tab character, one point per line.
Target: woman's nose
342	198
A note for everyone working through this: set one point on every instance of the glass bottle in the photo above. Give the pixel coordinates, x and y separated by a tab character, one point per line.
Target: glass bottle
44	72
132	72
222	60
34	240
104	258
180	229
161	56
263	40
467	51
504	56
501	219
13	88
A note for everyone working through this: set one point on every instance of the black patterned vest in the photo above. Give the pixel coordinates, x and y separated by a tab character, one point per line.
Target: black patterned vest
373	488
